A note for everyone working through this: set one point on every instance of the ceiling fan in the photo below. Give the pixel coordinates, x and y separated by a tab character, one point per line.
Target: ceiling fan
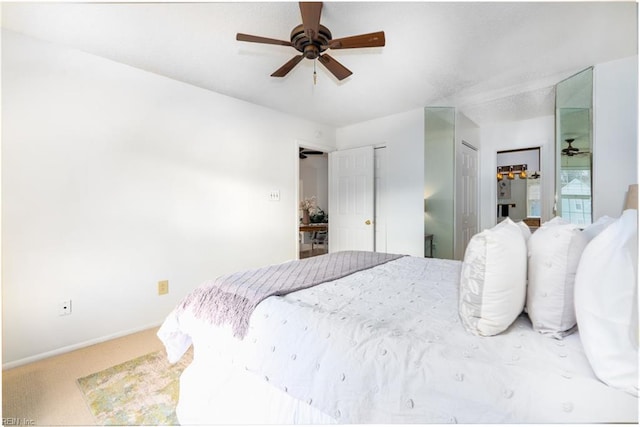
304	153
312	39
570	150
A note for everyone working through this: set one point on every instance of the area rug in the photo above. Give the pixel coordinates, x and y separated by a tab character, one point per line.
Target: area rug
142	391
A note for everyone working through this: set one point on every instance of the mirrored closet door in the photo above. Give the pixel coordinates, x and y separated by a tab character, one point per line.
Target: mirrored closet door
574	118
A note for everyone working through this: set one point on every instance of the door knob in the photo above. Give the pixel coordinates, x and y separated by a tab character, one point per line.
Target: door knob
368	222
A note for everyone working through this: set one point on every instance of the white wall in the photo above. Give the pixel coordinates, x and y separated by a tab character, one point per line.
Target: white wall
114	178
615	141
526	157
537	132
403	135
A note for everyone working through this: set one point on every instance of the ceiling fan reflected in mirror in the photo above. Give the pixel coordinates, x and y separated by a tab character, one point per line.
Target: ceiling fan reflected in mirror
570	150
304	153
312	39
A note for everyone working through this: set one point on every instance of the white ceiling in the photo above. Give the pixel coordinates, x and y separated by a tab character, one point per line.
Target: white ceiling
490	59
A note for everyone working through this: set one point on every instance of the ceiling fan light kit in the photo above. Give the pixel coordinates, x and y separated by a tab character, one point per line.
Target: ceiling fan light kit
312	39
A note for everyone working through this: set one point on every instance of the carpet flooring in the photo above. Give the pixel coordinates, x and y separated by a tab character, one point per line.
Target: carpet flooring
46	393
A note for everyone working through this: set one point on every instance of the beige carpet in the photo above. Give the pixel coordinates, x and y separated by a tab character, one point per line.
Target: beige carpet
142	391
46	393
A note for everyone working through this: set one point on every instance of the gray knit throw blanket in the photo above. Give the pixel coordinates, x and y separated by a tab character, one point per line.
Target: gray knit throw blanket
230	299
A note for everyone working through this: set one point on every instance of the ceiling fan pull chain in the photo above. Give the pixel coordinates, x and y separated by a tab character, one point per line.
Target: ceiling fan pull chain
315	76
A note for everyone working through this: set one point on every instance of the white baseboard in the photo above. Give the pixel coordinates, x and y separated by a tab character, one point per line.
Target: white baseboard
66	349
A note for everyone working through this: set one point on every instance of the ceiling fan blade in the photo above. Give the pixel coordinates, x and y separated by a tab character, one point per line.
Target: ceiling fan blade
310	12
284	70
257	39
336	68
363	40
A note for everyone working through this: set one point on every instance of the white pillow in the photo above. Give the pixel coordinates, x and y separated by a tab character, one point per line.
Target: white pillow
493	279
526	231
554	253
606	297
557	220
598	227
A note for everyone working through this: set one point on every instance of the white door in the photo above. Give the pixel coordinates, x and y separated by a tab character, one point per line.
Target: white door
467	197
351	203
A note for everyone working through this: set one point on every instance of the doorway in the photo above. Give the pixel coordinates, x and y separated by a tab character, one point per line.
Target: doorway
519	186
313	197
314	190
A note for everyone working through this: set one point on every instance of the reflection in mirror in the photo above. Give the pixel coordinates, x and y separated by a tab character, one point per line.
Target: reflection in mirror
439	190
574	103
534	195
518	185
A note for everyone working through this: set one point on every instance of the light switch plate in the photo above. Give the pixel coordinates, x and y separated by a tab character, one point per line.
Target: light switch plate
274	195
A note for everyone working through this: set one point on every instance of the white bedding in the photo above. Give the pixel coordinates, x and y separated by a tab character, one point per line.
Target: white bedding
384	345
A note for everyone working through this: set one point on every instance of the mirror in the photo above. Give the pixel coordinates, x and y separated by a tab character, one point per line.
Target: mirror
574	109
518	185
439	181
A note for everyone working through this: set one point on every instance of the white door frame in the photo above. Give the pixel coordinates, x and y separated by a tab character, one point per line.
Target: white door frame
296	185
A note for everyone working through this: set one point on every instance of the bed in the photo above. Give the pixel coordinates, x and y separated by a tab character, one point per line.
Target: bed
384	344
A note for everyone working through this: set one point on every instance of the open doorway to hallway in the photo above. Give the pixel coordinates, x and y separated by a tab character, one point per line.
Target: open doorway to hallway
314	202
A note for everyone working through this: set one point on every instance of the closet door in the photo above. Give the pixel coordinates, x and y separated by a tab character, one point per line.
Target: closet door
351	199
466	197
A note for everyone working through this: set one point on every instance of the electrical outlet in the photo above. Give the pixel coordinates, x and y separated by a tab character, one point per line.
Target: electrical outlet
64	308
163	287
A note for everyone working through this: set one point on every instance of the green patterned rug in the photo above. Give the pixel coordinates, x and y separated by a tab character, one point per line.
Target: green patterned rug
142	391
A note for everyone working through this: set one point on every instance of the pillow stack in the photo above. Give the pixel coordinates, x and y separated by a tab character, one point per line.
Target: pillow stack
586	278
554	253
493	279
606	301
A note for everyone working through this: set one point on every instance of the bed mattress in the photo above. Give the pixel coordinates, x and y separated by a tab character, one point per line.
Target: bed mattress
384	345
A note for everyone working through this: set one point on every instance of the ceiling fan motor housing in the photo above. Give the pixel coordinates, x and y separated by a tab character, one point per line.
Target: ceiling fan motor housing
310	48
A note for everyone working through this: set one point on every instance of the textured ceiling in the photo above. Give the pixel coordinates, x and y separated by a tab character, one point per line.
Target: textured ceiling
493	60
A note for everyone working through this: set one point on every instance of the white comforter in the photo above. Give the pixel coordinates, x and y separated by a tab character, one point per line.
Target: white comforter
386	345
